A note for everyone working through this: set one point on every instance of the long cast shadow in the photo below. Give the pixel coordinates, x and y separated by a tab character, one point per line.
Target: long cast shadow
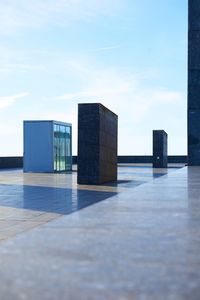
49	199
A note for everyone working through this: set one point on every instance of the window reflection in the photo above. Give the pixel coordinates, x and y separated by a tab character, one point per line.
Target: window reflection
62	148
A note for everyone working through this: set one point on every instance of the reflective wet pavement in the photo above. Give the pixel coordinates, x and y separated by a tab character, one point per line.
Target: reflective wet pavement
140	243
28	200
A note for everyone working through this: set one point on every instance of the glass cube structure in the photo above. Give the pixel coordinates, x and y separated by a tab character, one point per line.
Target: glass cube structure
47	146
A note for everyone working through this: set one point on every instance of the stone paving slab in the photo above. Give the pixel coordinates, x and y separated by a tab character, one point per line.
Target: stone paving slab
140	244
28	200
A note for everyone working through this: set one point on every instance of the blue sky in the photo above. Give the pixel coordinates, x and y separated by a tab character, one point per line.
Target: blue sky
130	55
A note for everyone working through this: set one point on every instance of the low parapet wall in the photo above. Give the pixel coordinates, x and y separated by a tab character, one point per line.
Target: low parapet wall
17	161
11	162
149	159
144	159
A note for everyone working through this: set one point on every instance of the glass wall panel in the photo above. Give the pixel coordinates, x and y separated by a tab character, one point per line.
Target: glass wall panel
62	148
56	148
68	148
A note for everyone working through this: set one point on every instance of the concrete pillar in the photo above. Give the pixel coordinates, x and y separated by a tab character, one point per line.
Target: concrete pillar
194	83
159	149
97	144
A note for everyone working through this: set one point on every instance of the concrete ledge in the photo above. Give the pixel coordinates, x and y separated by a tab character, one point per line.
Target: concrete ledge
17	161
11	162
145	159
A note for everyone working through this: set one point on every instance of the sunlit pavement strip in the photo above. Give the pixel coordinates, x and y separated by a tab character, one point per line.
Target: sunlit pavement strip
139	244
30	200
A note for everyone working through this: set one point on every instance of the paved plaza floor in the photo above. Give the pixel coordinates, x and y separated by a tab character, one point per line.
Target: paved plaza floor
138	238
28	200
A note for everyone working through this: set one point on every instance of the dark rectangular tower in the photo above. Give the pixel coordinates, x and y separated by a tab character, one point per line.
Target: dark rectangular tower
159	149
194	83
97	144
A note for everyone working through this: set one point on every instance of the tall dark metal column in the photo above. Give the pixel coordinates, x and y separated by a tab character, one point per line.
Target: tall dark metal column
160	149
97	144
194	83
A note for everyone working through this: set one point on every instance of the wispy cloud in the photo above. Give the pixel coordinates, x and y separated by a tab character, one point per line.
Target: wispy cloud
107	48
18	60
33	13
6	101
14	67
124	92
96	93
127	94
